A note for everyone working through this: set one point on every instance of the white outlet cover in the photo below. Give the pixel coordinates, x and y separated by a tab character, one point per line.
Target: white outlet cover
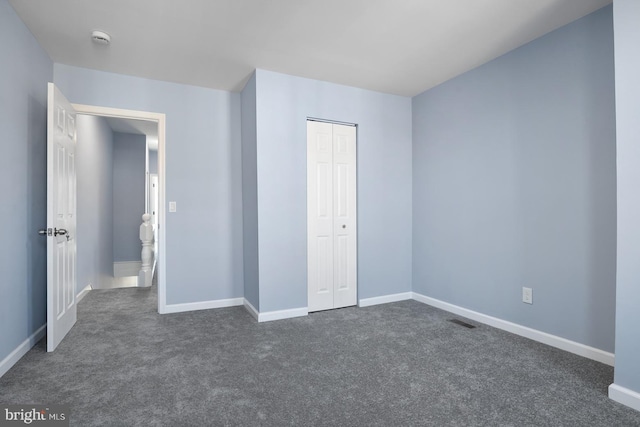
527	295
172	206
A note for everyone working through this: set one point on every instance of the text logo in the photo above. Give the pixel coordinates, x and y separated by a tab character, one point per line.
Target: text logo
34	415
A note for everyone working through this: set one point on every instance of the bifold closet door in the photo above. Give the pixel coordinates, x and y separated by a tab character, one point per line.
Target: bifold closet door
331	216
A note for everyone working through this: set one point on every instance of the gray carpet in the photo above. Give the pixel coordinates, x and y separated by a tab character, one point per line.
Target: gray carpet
399	364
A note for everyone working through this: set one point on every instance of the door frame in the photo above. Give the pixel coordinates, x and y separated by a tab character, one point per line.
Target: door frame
159	118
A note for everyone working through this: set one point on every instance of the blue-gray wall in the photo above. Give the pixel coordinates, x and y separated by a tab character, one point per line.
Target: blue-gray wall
250	193
514	184
384	185
129	158
94	176
203	175
627	40
24	74
153	161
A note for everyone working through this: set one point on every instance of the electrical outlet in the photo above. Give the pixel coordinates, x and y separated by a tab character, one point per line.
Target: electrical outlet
527	295
172	206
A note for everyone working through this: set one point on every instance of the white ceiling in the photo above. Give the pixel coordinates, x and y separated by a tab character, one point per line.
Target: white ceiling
394	46
136	127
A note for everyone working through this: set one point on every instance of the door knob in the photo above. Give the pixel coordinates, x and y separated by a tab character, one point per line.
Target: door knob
42	232
344	226
59	232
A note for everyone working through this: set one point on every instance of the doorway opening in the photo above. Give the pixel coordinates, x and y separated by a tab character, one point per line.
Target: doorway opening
141	135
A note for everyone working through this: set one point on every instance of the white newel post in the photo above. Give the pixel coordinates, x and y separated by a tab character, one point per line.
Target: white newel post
146	236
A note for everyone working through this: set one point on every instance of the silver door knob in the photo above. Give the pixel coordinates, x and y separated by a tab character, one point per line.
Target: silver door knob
60	232
344	226
42	232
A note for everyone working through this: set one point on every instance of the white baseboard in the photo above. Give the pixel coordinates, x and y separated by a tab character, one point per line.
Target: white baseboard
203	305
268	316
83	293
534	334
366	302
233	302
126	268
22	349
625	396
251	309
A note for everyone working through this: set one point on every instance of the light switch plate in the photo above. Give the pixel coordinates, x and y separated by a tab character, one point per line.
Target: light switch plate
172	206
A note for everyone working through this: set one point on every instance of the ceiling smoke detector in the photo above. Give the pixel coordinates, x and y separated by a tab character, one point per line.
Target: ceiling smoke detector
100	37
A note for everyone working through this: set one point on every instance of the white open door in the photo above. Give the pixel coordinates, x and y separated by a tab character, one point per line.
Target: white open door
61	217
154	211
153	199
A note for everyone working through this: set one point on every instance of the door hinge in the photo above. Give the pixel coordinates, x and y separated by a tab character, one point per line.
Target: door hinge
45	232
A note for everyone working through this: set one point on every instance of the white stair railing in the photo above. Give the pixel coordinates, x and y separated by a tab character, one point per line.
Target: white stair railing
146	237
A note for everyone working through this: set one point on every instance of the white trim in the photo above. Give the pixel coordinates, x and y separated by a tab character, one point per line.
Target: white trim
333	122
203	305
269	316
625	396
543	337
126	268
160	118
13	357
251	309
83	293
366	302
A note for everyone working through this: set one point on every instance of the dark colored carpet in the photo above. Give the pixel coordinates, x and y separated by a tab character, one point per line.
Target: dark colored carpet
398	364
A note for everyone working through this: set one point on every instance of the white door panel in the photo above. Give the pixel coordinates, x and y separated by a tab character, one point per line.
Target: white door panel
344	161
61	217
320	216
331	215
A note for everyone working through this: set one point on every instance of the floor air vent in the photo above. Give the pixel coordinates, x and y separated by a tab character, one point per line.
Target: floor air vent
461	323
